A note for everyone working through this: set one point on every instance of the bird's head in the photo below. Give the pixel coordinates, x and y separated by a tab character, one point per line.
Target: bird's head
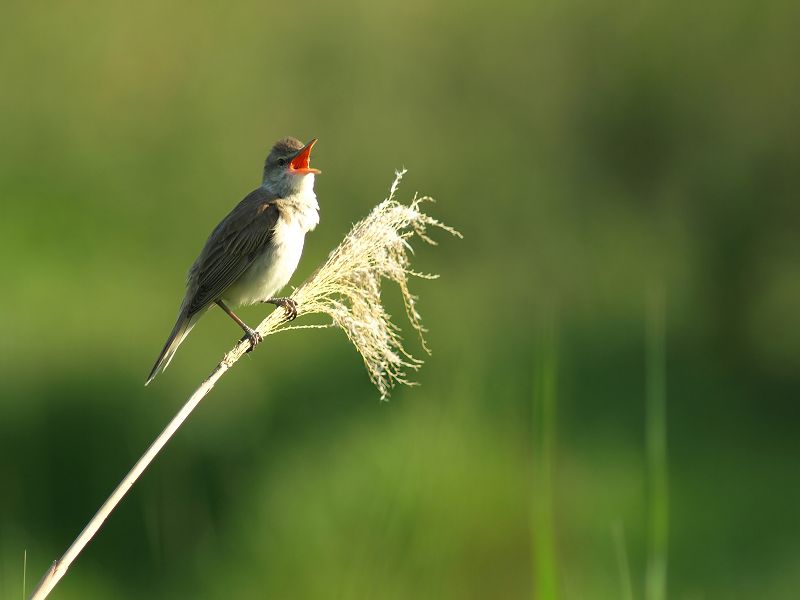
287	169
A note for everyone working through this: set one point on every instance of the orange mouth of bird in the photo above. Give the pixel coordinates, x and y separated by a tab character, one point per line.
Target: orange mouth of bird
302	162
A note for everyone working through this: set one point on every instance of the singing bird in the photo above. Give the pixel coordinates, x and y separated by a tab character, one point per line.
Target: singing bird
254	250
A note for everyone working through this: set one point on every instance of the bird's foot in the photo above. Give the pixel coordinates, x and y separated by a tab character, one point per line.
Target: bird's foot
254	337
288	305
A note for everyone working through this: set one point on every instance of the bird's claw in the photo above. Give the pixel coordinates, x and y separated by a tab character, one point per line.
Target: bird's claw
290	309
288	305
254	337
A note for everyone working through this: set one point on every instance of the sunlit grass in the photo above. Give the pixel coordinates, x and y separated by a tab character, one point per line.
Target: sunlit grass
348	287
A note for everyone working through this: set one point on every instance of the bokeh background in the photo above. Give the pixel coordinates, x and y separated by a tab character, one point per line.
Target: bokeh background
609	164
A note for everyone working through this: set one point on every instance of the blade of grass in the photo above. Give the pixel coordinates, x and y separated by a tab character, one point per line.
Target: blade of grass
618	533
656	440
545	583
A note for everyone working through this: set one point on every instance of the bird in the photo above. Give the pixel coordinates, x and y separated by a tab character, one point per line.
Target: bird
253	252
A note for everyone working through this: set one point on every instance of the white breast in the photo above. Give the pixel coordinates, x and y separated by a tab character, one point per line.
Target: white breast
273	268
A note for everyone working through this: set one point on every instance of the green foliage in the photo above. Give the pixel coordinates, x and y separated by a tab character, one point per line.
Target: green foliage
583	149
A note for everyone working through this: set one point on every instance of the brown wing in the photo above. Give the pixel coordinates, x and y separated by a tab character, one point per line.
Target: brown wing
230	249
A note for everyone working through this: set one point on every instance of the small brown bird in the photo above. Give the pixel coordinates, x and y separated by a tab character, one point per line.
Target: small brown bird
254	250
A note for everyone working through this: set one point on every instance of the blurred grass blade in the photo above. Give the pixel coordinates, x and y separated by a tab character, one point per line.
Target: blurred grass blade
618	533
545	583
656	440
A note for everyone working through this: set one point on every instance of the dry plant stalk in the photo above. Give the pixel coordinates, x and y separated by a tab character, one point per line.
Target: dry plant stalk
348	289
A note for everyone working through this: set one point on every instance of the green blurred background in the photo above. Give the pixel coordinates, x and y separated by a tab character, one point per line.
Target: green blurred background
590	153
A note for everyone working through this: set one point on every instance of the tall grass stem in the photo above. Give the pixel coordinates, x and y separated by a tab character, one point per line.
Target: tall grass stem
621	550
545	564
656	443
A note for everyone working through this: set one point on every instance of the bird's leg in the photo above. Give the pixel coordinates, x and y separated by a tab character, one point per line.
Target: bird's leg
288	305
250	333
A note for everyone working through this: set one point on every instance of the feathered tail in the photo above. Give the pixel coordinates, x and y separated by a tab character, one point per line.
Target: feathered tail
179	333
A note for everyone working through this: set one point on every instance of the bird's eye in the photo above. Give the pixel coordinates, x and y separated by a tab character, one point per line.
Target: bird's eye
282	162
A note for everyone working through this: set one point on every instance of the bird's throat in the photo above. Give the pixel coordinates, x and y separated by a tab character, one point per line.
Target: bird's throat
302	204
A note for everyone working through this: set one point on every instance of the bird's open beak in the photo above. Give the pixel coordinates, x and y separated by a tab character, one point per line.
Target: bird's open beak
301	163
